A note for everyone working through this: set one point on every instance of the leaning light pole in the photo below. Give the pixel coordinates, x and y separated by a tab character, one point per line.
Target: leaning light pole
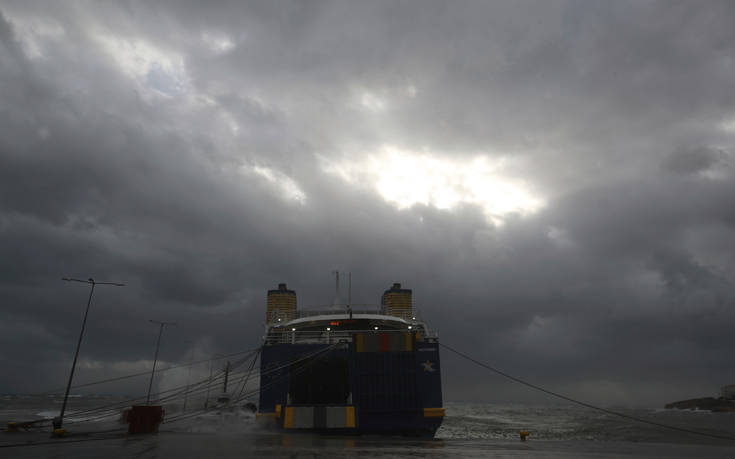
155	358
60	420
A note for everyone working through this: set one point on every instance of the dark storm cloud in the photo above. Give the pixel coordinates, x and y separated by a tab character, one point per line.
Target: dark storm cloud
691	161
181	149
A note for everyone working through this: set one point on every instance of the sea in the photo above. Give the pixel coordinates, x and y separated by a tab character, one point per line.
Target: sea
469	430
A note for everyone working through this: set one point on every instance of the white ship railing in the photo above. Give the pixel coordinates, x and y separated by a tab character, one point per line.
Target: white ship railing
341	309
329	337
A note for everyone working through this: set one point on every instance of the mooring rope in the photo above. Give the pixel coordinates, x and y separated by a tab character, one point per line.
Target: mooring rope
315	355
177	391
146	373
585	404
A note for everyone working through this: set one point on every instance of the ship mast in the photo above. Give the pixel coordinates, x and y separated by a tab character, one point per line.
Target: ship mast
336	288
349	294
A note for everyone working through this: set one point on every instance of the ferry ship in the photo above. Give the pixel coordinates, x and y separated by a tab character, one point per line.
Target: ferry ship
348	369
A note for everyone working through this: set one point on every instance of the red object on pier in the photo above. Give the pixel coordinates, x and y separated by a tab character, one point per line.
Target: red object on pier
144	419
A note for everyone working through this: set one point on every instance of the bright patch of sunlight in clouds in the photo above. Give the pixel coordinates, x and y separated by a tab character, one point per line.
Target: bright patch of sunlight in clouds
372	102
728	125
405	178
34	33
217	43
288	187
154	69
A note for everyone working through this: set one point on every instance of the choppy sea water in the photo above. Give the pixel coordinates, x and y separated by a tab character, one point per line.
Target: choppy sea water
469	430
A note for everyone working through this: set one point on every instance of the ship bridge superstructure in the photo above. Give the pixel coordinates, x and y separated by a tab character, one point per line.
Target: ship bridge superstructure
330	326
338	323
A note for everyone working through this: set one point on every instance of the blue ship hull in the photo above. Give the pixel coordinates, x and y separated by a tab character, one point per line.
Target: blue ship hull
353	388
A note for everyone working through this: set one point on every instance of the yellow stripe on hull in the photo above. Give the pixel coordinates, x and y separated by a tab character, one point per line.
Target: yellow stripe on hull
433	412
288	418
350	417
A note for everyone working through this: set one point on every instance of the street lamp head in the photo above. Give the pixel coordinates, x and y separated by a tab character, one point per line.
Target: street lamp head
91	281
159	322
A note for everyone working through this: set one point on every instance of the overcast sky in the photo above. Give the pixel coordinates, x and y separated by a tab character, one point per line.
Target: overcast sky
554	180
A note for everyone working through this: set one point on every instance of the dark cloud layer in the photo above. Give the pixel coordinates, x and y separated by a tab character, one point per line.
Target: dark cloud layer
189	151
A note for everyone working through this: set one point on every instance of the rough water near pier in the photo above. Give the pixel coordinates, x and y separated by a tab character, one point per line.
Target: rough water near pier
470	430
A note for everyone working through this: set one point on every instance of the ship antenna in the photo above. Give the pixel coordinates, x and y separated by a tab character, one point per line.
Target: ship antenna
349	293
336	288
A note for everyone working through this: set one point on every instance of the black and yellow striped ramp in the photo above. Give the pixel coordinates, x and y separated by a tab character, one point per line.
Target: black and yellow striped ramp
319	417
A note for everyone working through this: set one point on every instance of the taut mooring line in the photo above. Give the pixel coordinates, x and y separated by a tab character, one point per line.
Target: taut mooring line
587	405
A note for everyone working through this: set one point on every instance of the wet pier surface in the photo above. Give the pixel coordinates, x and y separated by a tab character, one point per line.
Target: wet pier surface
470	430
174	445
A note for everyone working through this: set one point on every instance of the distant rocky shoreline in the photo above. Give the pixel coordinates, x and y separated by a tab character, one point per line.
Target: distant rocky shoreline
717	405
